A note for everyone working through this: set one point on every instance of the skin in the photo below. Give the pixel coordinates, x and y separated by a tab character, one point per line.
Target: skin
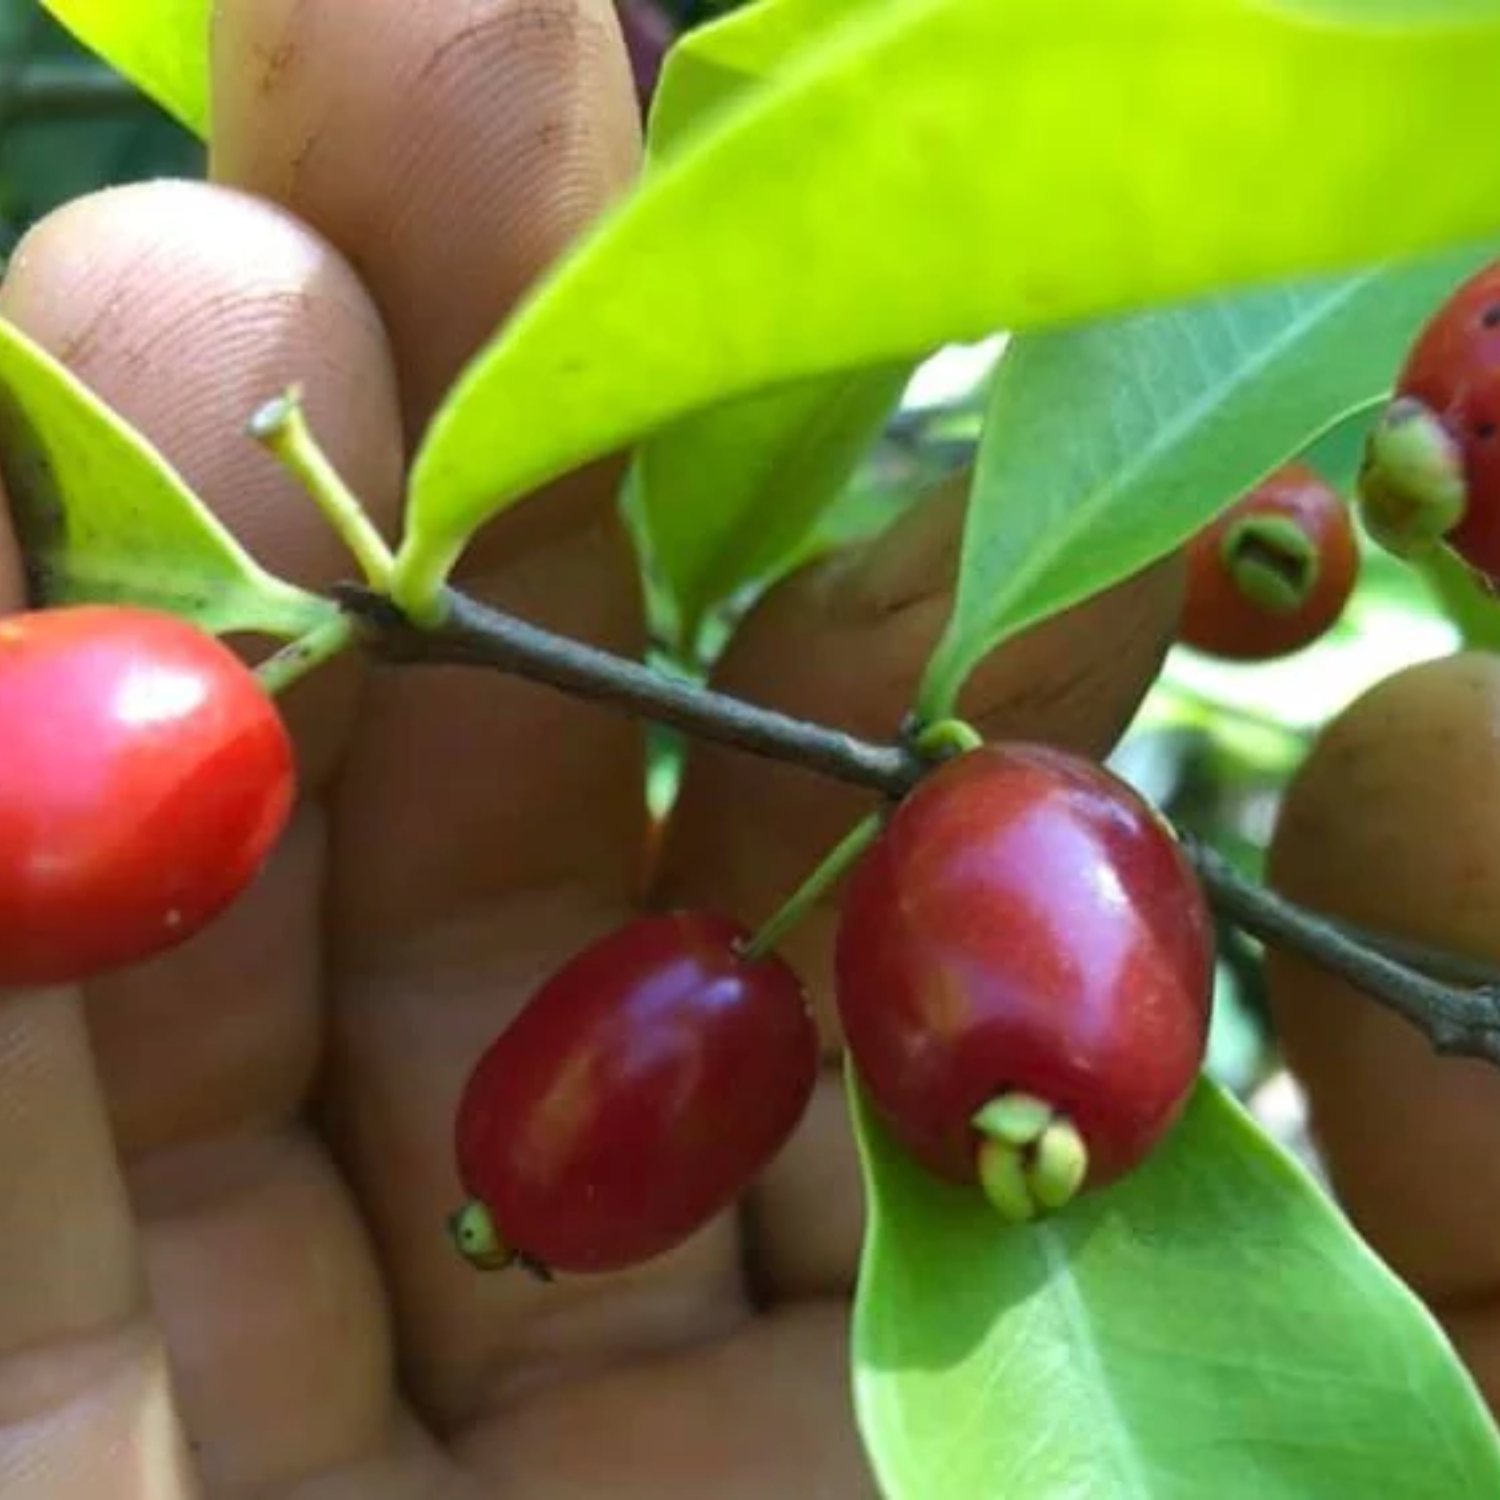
224	1175
1409	1137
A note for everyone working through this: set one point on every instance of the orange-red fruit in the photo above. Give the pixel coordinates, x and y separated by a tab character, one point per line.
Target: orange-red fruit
144	777
1026	925
1272	573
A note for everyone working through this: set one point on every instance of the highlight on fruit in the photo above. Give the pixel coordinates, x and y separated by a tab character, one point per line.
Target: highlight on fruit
1024	974
635	1097
145	777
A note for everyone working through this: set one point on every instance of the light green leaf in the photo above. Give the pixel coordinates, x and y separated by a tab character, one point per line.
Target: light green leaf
161	46
102	516
934	170
1208	1327
711	65
730	494
727	495
1107	446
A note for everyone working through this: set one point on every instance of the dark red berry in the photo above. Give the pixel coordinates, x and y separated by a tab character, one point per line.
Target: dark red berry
638	1094
1434	464
1273	572
144	777
1026	938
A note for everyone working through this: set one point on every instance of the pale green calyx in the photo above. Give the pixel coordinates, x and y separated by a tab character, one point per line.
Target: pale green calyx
945	738
1412	490
1059	1165
474	1236
1016	1118
1031	1160
1272	561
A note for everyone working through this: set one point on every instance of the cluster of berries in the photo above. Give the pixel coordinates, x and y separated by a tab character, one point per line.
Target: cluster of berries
1024	956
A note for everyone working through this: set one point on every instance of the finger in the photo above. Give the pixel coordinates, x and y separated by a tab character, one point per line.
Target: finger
845	643
486	829
450	151
659	1431
83	1377
184	307
187	307
1384	827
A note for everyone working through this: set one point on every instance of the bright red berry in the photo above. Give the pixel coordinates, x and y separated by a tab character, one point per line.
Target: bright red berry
1024	971
637	1095
144	777
1433	465
1273	572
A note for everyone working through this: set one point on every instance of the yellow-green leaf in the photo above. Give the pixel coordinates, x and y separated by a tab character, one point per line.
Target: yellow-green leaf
161	46
102	516
934	170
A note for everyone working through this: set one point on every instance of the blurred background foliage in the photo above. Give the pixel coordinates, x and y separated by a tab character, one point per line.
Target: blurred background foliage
1212	744
69	125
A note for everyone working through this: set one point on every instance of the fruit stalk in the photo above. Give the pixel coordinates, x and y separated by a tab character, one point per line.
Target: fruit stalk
1459	1021
1462	1019
834	866
303	656
473	634
280	426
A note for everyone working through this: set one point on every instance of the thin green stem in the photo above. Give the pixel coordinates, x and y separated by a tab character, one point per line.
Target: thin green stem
946	738
420	576
1470	608
306	654
281	427
817	885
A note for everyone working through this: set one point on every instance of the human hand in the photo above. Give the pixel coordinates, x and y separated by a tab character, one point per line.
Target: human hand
224	1175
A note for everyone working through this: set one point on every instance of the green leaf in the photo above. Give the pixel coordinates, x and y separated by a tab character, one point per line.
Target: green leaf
102	516
729	495
161	46
1210	1326
1107	446
934	170
726	496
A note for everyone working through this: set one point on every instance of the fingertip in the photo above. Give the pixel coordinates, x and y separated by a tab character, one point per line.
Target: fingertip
69	1266
450	151
184	307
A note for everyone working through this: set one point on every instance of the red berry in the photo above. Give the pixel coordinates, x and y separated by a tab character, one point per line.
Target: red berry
1026	936
1273	572
144	777
1447	425
637	1095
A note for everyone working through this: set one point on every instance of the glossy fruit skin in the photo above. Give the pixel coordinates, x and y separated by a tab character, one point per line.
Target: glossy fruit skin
1221	619
1025	924
638	1094
145	776
1453	368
